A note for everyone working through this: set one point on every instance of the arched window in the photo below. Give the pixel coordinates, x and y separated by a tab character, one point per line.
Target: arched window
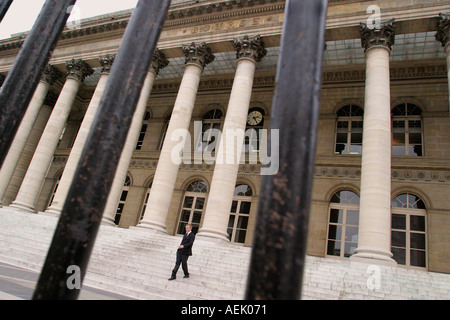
343	224
349	130
240	213
407	130
123	198
192	207
408	227
211	121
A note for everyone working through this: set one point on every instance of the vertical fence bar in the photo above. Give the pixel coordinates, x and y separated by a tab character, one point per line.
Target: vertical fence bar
27	69
4	6
80	218
279	246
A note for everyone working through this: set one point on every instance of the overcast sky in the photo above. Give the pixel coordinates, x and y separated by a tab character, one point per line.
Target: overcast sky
22	13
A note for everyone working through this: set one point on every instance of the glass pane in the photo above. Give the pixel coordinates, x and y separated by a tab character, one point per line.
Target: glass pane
120	208
415	202
399	255
240	236
398	239
230	233
335	232
231	221
336	215
351	234
417	223
242	222
200	203
334	248
398	144
417	240
185	214
356	143
341	143
197	217
188	202
245	207
195	228
400	201
417	258
342	125
124	195
357	125
349	249
234	206
415	144
352	217
181	228
399	221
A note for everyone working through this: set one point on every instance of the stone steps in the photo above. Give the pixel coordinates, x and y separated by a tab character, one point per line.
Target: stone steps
137	262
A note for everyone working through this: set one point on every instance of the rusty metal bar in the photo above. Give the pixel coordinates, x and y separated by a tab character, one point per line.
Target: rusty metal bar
4	6
279	246
27	69
80	218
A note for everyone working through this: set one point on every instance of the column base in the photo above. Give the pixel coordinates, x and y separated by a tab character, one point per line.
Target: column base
373	256
23	207
152	225
108	222
54	210
202	233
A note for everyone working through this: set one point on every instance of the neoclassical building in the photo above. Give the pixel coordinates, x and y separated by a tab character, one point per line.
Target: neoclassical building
382	179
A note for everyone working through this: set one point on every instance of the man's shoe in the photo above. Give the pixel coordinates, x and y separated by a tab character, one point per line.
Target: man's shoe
172	278
186	277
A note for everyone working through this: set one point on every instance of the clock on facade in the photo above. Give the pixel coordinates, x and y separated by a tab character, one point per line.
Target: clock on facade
254	118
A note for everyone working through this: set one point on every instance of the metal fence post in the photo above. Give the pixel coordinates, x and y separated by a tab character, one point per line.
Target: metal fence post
80	218
28	67
279	246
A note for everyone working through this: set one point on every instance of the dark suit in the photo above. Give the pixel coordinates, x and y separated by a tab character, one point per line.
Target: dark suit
183	254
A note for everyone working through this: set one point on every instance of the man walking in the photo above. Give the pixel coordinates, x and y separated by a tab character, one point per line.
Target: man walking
183	253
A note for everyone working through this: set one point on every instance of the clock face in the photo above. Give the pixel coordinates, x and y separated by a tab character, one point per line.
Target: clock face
254	118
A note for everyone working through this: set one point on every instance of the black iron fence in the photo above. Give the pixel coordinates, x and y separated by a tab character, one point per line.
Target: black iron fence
278	255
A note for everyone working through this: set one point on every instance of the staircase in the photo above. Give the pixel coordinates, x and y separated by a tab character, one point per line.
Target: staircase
137	262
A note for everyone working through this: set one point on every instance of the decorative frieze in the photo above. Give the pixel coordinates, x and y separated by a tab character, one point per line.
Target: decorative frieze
371	37
159	61
250	48
443	29
78	69
198	53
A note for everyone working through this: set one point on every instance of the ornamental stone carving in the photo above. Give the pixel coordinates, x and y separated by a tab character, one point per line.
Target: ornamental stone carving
250	48
78	69
51	74
371	37
106	62
198	53
159	62
443	28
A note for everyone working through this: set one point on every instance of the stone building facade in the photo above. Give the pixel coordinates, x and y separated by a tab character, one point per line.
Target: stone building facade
381	181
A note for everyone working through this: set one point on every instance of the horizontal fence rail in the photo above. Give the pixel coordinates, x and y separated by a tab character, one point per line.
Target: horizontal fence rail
24	76
81	215
279	245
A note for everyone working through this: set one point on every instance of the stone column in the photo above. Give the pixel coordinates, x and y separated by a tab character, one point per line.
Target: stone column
198	55
250	50
443	35
77	71
159	62
106	62
51	74
374	237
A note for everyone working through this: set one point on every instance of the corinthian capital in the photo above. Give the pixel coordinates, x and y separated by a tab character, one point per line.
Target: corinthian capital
106	62
159	61
250	48
51	74
443	29
384	36
198	53
78	69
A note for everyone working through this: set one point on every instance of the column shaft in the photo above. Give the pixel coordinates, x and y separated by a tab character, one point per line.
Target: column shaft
374	237
250	50
167	171
127	152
